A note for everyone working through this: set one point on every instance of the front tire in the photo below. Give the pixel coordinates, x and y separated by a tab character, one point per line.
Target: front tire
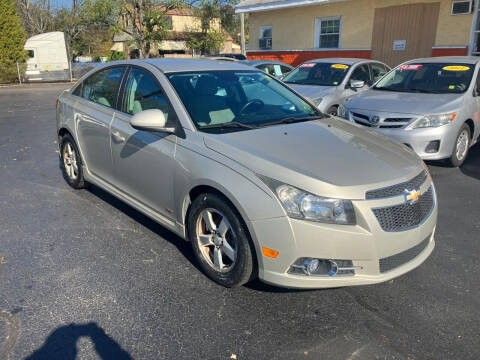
71	163
462	145
333	111
220	240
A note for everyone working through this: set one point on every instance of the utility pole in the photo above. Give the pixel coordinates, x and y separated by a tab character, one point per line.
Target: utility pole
242	33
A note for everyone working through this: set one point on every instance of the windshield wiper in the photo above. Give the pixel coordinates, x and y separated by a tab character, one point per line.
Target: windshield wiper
233	124
291	120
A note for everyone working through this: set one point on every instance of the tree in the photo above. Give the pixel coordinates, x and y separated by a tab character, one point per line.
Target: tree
211	37
146	22
12	40
89	25
36	16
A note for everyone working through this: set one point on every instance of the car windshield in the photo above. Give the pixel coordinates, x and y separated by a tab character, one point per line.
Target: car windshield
324	74
225	101
432	78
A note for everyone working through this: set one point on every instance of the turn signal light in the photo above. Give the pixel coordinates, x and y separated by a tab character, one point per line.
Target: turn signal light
270	252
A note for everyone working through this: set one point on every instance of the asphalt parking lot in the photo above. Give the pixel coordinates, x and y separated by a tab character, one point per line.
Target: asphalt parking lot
83	276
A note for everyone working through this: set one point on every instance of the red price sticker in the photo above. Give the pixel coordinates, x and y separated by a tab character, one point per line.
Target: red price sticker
409	67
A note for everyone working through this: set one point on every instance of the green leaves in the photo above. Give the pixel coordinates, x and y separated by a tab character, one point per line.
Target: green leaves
12	41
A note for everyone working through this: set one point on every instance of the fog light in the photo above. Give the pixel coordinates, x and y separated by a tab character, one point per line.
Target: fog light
432	146
312	265
322	267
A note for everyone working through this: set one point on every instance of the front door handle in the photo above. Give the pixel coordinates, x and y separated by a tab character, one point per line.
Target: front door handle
118	137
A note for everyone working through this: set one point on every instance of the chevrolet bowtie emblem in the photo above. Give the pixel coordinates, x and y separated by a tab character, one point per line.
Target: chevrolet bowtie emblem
412	195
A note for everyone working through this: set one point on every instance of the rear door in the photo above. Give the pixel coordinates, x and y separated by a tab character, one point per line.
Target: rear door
93	115
144	160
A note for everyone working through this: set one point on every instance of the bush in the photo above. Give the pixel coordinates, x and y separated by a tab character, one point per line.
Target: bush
116	55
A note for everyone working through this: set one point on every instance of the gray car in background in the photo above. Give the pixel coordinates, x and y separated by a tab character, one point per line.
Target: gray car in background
258	179
330	82
271	67
432	105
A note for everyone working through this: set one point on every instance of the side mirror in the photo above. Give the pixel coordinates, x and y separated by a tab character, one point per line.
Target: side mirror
150	120
357	84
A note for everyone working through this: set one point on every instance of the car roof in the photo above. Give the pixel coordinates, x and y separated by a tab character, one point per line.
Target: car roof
259	62
447	59
182	65
346	61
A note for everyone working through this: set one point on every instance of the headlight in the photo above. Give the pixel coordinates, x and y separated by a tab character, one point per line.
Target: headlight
317	101
342	112
433	121
300	204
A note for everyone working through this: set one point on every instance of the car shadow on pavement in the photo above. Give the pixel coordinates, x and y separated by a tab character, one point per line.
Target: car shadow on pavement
471	166
182	245
62	344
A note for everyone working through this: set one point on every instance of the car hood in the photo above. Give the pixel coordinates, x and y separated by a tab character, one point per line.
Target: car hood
313	91
407	103
320	156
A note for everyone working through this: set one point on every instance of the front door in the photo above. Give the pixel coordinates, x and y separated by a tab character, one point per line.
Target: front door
93	116
360	73
404	32
144	160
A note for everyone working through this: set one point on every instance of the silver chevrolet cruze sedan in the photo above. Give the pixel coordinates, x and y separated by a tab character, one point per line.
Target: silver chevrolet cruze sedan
432	105
332	81
254	176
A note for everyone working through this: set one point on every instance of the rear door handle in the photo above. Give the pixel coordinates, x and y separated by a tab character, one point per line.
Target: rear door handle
118	137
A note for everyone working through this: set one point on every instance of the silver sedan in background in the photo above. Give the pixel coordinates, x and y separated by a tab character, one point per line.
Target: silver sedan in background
330	82
271	67
432	105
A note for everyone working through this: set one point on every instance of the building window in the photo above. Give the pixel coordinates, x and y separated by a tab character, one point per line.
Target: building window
265	41
327	33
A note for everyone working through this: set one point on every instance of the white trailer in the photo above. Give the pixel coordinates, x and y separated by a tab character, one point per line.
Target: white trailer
47	58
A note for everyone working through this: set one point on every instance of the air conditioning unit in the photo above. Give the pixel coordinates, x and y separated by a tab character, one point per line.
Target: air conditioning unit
265	43
462	7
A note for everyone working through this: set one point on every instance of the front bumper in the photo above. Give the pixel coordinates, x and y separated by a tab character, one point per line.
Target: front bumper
419	139
364	244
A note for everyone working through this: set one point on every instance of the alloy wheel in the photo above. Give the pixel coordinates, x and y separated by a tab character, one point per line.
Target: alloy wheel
216	240
462	145
70	161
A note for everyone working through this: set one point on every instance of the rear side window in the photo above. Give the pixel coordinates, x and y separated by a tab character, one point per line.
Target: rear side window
102	87
143	93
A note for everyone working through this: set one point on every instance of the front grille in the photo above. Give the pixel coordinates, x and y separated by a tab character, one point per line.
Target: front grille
387	123
361	116
398	189
394	261
405	216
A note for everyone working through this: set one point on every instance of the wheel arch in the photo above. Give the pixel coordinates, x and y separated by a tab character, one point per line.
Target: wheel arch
217	189
471	125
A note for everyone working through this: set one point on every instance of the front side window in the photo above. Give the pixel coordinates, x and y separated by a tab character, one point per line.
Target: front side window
378	71
433	77
361	73
248	98
30	53
327	33
142	92
322	73
102	87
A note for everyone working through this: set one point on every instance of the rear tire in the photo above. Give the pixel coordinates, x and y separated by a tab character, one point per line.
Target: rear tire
462	145
220	240
71	163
